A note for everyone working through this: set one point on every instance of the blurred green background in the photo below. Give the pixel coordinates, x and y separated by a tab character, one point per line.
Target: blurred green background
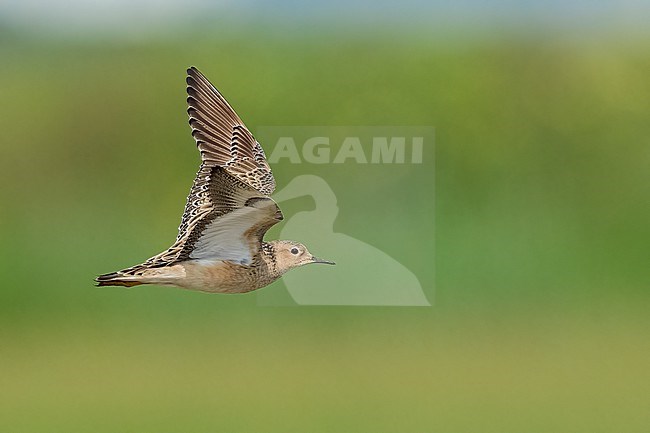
540	274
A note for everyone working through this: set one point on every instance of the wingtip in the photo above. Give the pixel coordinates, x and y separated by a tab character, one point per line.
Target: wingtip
193	71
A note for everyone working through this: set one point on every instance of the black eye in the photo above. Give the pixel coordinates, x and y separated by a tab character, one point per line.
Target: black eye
294	251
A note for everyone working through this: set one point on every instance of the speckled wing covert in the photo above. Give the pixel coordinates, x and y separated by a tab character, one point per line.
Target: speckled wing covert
228	210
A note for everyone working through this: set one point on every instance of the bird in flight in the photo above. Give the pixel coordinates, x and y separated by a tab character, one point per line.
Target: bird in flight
220	245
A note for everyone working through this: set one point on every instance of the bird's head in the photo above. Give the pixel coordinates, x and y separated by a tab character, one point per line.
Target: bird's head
290	254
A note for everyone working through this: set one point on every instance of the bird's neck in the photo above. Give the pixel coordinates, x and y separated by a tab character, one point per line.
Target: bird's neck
269	257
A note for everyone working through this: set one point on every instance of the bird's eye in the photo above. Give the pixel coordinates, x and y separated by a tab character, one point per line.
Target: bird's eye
295	251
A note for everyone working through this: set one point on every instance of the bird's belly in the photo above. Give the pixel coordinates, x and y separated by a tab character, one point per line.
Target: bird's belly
218	276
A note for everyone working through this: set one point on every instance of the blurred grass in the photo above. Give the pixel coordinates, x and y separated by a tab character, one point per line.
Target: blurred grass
541	226
300	372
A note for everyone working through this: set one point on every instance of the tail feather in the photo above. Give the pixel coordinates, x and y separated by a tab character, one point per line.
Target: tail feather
117	279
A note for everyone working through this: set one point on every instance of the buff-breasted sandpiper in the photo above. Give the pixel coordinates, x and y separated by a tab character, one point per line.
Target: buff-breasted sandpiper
220	245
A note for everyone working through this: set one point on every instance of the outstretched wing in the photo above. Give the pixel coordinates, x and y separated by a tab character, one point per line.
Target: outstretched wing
222	137
228	209
233	227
